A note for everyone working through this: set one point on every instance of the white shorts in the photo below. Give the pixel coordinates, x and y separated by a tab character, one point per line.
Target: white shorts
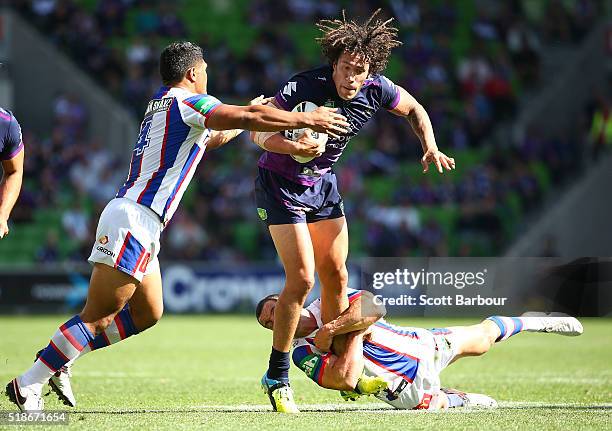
437	356
127	238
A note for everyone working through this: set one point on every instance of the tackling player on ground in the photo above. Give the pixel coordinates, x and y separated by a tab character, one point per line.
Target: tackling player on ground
11	158
125	290
352	351
300	202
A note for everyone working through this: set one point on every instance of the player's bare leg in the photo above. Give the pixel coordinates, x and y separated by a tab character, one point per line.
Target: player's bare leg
294	247
473	340
477	339
109	290
147	304
330	244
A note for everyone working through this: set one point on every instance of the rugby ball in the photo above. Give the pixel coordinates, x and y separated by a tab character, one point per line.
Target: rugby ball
294	135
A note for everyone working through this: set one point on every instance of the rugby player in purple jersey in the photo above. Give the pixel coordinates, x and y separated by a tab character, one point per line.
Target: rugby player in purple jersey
300	202
11	158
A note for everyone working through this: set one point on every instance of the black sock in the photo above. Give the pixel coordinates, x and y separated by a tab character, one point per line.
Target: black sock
278	367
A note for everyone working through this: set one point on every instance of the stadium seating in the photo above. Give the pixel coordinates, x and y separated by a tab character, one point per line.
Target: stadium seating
455	110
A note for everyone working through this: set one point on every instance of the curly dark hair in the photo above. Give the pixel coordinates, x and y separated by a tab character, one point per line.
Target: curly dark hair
372	40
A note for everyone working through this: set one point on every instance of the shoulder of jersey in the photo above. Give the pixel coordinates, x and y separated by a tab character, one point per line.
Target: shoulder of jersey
5	115
374	80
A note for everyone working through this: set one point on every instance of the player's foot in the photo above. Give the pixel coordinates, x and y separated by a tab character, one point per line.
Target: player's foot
60	384
349	395
480	400
555	323
368	385
280	395
25	398
471	400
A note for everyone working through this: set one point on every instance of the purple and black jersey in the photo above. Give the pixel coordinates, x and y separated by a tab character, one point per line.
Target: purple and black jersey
11	142
317	86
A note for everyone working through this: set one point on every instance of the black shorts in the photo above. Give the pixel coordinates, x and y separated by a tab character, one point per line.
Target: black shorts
281	201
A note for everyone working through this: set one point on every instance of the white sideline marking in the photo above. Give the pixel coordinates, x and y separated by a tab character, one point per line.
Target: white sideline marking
385	408
380	408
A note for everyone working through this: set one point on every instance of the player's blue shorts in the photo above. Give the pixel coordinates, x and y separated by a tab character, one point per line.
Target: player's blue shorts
281	201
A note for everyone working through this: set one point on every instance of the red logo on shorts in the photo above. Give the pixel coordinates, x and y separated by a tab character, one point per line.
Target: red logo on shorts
103	240
144	263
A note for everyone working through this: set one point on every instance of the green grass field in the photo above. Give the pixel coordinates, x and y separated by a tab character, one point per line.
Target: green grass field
203	372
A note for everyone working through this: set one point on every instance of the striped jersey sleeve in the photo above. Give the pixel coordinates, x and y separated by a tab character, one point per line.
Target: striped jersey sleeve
196	109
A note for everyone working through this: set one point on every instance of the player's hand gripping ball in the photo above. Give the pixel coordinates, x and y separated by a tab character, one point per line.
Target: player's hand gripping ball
295	134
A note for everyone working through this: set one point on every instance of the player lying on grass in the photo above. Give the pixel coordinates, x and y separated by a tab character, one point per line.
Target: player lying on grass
125	289
360	345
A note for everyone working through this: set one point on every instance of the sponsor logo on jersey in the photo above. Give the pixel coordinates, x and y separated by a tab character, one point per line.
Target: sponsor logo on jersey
330	103
103	240
309	365
322	78
158	105
309	172
290	88
263	214
105	251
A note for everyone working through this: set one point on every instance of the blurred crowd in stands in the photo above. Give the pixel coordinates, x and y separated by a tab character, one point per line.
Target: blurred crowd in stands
467	91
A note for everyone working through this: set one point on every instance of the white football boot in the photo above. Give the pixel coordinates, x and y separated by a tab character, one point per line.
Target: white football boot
60	384
27	399
472	400
479	400
554	323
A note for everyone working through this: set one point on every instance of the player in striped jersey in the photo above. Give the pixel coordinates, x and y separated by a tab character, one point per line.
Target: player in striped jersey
125	291
360	344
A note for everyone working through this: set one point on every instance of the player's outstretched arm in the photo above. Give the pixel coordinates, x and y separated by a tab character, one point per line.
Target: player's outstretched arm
361	314
10	185
416	115
218	138
267	119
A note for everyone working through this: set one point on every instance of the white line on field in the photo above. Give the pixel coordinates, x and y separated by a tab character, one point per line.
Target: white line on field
332	407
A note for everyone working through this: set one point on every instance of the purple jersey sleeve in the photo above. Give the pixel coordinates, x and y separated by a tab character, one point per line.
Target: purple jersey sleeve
296	90
390	96
12	142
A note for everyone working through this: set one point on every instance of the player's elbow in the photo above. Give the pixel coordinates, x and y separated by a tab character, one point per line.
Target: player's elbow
371	307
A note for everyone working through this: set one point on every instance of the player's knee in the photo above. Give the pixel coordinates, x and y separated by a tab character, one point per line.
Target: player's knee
146	319
490	333
297	287
486	341
334	275
342	276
